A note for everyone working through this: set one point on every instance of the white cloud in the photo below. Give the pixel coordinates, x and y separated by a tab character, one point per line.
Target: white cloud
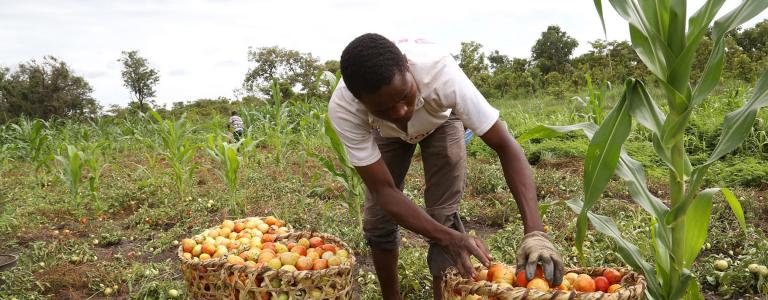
200	47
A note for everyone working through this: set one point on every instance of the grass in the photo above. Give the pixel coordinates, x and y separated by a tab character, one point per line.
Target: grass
136	229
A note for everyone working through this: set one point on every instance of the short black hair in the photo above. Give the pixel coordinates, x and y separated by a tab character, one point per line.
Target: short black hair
369	63
234	113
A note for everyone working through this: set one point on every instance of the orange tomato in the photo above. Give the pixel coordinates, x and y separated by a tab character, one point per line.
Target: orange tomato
320	264
270	220
584	283
315	242
612	275
538	284
614	287
495	268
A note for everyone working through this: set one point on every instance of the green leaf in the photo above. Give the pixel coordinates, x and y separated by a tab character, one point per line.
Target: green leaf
735	205
697	225
698	25
738	123
644	109
694	291
599	8
547	131
714	67
683	286
628	168
661	249
602	158
645	27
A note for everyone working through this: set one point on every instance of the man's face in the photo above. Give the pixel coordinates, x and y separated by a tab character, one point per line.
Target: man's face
394	102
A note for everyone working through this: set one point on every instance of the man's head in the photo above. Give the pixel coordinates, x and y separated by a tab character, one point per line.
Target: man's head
377	74
234	113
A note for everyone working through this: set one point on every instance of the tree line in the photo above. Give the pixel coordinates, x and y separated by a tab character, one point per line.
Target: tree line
49	88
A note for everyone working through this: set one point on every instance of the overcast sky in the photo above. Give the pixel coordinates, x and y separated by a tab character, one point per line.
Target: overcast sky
200	47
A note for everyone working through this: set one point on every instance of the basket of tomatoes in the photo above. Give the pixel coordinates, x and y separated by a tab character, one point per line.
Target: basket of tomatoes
501	282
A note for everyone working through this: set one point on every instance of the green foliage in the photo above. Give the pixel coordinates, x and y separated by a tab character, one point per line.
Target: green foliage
93	159
226	155
71	171
272	123
658	35
472	60
748	171
44	89
33	141
286	67
552	51
344	174
178	149
138	77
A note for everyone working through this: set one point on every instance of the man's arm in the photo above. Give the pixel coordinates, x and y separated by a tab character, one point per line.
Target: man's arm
517	173
535	248
379	182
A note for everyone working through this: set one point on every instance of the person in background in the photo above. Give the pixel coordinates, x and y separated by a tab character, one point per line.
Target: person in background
236	125
395	96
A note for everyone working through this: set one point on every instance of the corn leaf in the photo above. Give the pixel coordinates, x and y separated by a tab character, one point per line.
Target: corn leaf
737	123
547	131
698	25
681	289
697	225
602	158
599	8
629	169
714	67
644	29
694	291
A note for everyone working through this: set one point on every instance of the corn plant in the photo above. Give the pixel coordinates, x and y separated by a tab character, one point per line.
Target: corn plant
595	101
94	160
34	138
345	173
226	155
273	122
659	36
71	171
178	149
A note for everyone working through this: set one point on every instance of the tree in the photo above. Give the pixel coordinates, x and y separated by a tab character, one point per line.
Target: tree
610	61
472	60
552	51
754	40
290	68
139	77
44	90
499	63
332	66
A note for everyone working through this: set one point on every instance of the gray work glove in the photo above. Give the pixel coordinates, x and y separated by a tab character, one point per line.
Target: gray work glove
537	249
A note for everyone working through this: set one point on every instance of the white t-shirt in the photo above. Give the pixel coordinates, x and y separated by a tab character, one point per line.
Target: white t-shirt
444	89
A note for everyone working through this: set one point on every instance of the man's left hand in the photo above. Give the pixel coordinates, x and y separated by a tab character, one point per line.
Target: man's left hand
536	248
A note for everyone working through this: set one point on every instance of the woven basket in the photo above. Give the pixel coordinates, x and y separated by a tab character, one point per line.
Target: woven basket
243	282
456	287
203	278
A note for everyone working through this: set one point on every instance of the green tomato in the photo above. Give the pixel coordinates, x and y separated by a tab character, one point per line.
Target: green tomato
721	265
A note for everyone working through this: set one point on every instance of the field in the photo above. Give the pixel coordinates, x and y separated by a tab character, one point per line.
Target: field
106	213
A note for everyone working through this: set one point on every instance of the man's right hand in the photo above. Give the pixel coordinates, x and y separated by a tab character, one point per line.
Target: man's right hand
460	246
